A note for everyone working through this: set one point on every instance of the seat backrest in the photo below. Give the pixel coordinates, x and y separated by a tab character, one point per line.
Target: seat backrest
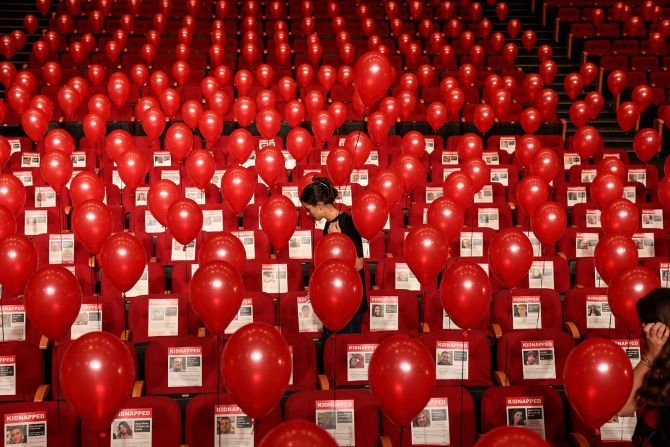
163	415
201	421
437	319
60	419
317	407
534	356
460	414
391	310
26	365
303	352
521	309
499	404
347	356
198	357
161	309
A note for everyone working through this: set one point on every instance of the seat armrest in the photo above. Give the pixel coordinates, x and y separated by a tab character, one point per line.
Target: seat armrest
125	335
497	331
500	378
44	343
578	439
425	327
385	441
41	393
324	384
572	330
202	332
138	388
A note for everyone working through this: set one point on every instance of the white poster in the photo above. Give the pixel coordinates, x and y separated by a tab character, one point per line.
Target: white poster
585	244
485	195
61	248
488	218
404	278
471	244
14	144
491	158
88	320
45	197
570	160
26	429
244	316
307	319
593	218
212	221
232	428
26	177
163	318
652	219
141	194
598	313
35	222
383	313
431	426
538	359
638	175
344	195
151	224
360	176
526	412
30	160
216	178
576	194
535	242
447	323
274	278
630	193
429	145
184	366
162	159
249	242
645	244
337	418
181	252
526	312
292	193
449	158
499	175
541	275
588	175
78	159
195	194
664	273
141	287
507	144
13	322
433	193
7	375
171	174
632	349
451	360
116	180
132	428
300	245
599	282
358	360
619	429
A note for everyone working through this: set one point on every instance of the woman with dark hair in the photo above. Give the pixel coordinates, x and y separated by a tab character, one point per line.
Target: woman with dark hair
651	381
123	431
318	199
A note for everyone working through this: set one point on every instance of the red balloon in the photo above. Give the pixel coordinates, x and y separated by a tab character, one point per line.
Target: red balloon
12	193
270	164
389	185
613	253
616	82
454	100
323	126
118	88
19	259
241	144
466	293
5	151
210	125
59	140
479	173
86	186
573	84
101	106
191	112
162	194
598	379
68	100
51	72
184	220
459	189
502	99
294	112
527	147
153	122
278	218
470	147
299	143
335	246
53	299
547	101
664	193
200	167
626	289
34	123
97	377
244	110
370	213
484	118
627	114
548	222
339	165
620	216
179	141
447	216
586	141
94	127
7	222
545	165
402	377
589	72
548	70
238	186
642	97
268	123
56	169
92	223
436	115
510	256
216	294
507	436
580	113
647	143
298	433
531	192
379	125
409	170
373	74
426	251
123	259
358	144
170	100
605	188
612	165
256	368
336	292
132	167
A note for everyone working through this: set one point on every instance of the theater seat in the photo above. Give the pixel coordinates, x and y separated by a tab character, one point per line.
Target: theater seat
28	369
61	421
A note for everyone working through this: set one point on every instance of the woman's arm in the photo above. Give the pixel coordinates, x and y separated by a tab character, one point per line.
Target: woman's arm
360	263
656	335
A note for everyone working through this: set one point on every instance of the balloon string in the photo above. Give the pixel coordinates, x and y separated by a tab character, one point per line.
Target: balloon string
125	311
333	351
97	298
464	333
57	386
402	434
218	369
2	316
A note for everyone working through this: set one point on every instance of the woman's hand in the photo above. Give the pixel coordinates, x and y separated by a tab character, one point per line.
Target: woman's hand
657	335
334	228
